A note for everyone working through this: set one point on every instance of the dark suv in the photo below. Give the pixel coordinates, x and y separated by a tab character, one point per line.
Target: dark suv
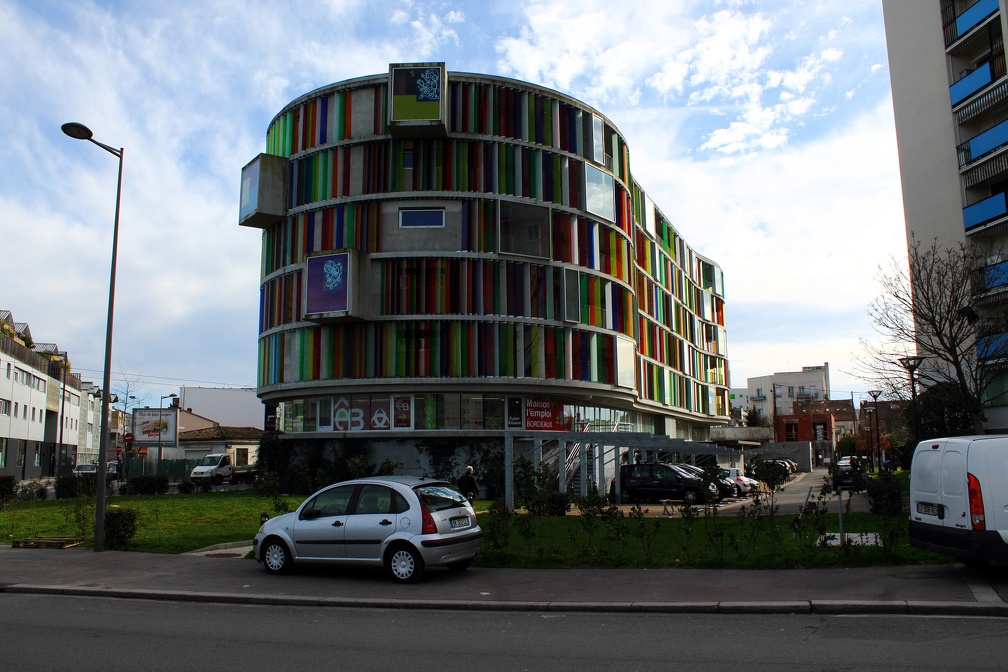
655	481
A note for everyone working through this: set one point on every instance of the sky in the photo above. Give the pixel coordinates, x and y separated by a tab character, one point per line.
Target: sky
763	130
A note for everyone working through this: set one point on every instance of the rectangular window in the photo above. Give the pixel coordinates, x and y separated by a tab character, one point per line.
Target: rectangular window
598	140
432	218
325	414
5	407
38	456
472	411
626	363
3	453
525	229
572	295
15	409
600	193
21	453
241	457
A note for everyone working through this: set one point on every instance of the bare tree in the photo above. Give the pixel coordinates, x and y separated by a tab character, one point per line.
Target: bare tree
932	306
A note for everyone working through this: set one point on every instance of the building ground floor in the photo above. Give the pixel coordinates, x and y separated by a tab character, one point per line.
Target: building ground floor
27	460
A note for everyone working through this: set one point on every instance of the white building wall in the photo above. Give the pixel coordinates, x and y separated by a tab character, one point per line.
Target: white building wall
228	406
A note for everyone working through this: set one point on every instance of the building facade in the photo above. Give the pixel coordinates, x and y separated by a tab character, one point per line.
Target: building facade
459	255
779	393
42	406
950	99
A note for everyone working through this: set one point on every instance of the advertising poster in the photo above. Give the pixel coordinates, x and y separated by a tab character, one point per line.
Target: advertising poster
416	93
151	423
327	281
546	415
402	412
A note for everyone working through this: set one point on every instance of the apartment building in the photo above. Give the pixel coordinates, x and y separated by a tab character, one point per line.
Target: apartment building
950	98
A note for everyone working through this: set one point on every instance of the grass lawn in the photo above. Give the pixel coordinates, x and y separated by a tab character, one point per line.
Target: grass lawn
181	523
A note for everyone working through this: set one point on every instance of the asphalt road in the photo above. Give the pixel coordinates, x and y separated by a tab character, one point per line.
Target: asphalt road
45	632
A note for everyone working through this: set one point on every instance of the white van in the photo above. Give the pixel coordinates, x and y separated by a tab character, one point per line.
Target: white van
959	497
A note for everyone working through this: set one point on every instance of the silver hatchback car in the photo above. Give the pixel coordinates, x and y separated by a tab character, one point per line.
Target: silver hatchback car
403	523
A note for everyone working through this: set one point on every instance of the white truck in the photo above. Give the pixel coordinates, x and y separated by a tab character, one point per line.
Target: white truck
216	468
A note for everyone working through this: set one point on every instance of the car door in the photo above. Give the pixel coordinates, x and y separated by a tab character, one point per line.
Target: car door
639	483
668	482
375	516
321	525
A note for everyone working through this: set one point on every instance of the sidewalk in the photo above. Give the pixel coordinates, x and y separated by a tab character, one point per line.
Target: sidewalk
222	574
927	590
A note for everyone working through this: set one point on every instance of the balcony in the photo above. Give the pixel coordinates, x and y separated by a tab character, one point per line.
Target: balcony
978	79
996	276
993	347
985	211
984	143
970	19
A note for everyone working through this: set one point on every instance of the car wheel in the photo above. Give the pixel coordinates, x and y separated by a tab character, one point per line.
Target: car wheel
218	479
690	497
275	556
404	564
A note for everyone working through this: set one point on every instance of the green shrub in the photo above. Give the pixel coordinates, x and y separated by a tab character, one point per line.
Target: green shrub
885	494
6	488
69	486
147	485
120	526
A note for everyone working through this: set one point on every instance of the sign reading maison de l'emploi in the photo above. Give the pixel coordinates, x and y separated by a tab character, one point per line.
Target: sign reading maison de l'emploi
417	91
327	283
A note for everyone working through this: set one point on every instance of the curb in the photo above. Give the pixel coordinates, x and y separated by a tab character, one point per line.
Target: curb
807	607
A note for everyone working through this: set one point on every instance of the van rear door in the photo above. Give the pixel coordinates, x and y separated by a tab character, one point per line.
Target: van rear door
927	514
955	497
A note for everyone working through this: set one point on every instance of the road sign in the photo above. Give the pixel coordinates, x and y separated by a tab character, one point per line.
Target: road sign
128	436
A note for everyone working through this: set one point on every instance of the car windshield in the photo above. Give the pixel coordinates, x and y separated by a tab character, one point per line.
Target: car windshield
440	496
209	461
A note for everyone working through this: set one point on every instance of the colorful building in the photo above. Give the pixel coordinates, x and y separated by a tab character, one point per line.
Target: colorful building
459	255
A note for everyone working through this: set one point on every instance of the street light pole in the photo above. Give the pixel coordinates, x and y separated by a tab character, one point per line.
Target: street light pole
871	446
81	132
160	429
911	364
875	394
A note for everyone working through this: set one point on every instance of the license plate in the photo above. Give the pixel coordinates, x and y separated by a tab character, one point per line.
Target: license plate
460	522
927	509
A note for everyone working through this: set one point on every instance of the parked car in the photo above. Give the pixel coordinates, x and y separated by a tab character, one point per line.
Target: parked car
82	469
744	483
655	481
403	523
958	499
849	473
725	486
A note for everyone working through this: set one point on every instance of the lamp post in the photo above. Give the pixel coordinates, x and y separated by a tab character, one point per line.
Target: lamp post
875	394
871	446
81	132
160	429
911	364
